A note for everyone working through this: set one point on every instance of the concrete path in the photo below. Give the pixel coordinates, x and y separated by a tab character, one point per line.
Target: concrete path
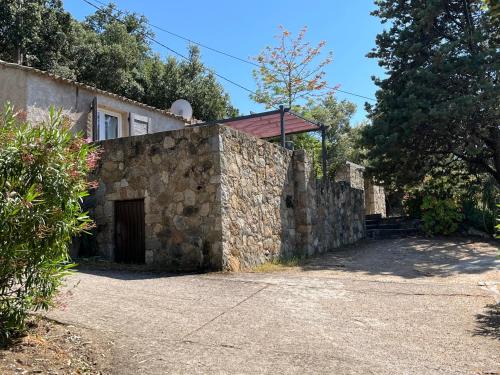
408	306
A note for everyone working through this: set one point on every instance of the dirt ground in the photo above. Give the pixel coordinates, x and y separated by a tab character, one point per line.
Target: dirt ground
404	306
52	348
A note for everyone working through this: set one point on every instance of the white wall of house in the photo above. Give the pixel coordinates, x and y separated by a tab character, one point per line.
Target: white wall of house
35	92
12	87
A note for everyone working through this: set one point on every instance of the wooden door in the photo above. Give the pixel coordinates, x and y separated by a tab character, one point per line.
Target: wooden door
129	231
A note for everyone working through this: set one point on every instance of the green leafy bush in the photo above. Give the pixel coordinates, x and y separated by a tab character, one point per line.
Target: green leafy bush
478	217
440	216
469	200
43	178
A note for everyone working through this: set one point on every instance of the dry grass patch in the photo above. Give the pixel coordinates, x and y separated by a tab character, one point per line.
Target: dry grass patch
278	265
52	348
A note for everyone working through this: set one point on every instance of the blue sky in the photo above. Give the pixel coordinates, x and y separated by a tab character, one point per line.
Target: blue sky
244	28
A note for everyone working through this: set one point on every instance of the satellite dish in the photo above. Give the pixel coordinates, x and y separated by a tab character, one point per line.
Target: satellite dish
182	108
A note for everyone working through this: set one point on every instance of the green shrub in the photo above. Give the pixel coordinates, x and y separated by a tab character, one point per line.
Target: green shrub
479	218
440	216
43	178
413	204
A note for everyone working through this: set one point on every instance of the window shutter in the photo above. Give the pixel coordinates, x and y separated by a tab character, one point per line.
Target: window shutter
139	124
95	129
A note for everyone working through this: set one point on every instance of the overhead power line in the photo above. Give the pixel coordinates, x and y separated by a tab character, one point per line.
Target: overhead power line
192	41
177	53
227	54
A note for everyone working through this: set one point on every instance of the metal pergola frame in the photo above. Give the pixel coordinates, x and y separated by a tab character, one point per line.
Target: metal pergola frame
281	111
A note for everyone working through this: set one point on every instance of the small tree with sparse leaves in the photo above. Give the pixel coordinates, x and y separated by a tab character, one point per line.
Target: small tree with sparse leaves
289	73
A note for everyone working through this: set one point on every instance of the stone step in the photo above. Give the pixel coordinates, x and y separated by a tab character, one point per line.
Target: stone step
373	217
383	226
390	233
372	222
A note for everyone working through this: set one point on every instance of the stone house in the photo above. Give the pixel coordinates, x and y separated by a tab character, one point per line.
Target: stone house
184	196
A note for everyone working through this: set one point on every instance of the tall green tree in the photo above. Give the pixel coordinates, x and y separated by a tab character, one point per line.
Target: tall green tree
110	50
34	32
164	82
341	137
439	103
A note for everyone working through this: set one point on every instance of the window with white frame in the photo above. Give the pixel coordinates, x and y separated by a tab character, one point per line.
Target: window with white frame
109	124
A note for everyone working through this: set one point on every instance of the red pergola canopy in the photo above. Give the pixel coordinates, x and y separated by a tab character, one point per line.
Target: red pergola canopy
268	124
277	123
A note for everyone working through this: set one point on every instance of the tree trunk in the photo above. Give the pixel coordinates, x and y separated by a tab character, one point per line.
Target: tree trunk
20	58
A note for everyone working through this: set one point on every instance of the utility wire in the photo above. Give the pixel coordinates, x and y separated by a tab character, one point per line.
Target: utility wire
190	40
177	53
219	51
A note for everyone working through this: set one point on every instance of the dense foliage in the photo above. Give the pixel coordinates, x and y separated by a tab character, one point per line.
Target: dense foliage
497	227
109	50
449	200
440	216
43	178
438	106
342	138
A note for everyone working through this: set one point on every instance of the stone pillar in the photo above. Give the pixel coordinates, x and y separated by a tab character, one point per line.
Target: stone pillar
374	198
351	173
304	196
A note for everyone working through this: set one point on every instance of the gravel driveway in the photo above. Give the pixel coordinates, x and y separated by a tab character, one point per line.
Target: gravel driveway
395	306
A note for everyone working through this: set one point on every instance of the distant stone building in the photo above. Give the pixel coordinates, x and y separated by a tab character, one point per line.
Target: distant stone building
374	194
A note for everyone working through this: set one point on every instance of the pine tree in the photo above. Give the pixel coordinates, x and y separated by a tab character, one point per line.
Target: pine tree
438	106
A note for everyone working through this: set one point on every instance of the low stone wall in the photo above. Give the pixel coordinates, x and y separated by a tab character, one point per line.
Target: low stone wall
218	199
257	200
274	206
329	214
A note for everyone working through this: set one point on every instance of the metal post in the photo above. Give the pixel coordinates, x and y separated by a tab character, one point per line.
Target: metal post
323	150
282	126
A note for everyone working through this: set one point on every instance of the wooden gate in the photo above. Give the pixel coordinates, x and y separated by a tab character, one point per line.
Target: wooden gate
129	231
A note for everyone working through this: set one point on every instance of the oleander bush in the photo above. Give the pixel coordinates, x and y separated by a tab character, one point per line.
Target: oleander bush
43	179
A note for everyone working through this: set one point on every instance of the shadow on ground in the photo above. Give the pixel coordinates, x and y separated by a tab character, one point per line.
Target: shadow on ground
121	271
412	257
488	322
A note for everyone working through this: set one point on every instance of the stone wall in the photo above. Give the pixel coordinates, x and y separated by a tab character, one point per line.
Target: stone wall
351	173
257	200
177	173
274	206
219	199
329	214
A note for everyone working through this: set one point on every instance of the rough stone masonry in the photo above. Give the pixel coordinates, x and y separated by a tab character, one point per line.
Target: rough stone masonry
219	199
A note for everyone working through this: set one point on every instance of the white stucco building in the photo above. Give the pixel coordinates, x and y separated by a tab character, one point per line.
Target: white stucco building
97	114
